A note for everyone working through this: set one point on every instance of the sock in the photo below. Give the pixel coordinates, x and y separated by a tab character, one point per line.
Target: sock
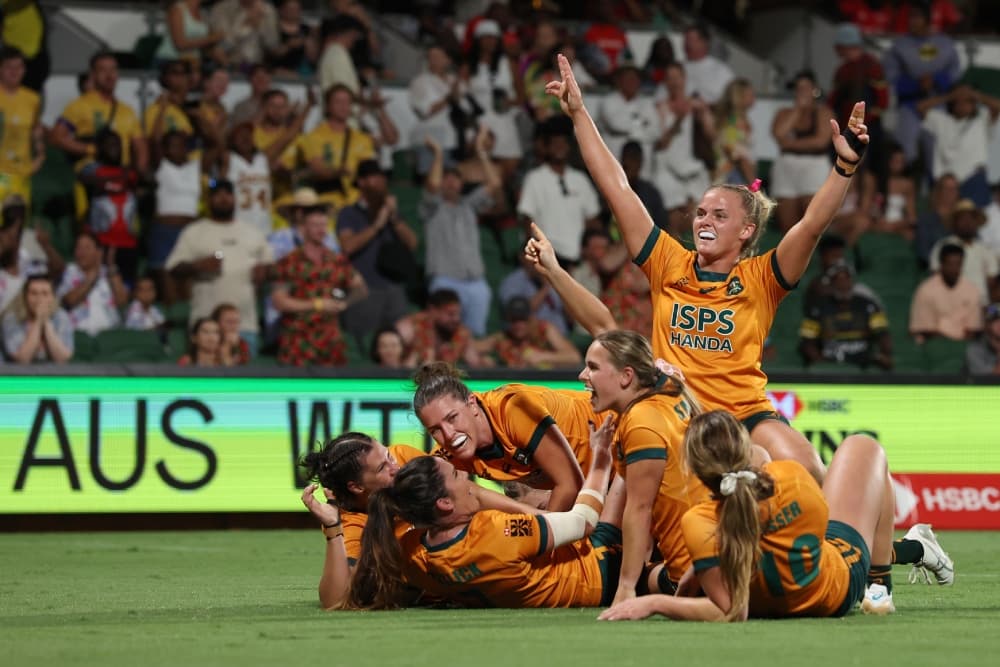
881	574
907	551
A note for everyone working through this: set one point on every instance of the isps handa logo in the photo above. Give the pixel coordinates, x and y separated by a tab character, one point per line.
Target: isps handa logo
786	403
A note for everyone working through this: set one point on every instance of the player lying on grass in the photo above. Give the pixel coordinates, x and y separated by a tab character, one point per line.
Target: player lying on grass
479	557
350	468
771	542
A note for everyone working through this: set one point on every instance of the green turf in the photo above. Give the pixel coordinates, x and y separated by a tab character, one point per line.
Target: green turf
248	598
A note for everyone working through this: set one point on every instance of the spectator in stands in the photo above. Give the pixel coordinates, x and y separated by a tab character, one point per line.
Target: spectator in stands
537	68
178	194
168	112
454	260
607	38
632	164
283	241
203	344
962	134
989	233
661	56
545	303
367	52
980	265
22	145
735	162
593	249
558	197
297	47
982	356
831	252
249	30
387	349
112	214
32	252
226	258
333	151
802	133
374	236
337	36
944	15
437	333
527	342
626	293
707	76
12	276
143	313
919	65
932	224
92	291
873	16
897	195
312	286
188	35
36	329
441	101
946	304
678	172
233	350
845	328
211	112
858	77
249	170
491	71
23	27
249	108
376	121
625	115
281	123
76	129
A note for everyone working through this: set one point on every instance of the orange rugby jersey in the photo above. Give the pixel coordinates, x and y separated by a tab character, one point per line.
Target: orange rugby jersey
354	522
519	415
711	325
800	572
499	560
654	429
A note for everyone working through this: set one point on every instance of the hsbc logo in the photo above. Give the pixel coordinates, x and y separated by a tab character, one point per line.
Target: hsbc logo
956	500
786	403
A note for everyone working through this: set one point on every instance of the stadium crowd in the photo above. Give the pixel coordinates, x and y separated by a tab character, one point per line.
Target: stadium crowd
261	237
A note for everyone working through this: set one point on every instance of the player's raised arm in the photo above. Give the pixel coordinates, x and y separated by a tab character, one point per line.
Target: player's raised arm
603	166
795	250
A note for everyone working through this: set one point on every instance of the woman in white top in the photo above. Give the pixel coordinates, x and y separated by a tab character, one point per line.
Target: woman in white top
432	95
187	34
898	196
489	67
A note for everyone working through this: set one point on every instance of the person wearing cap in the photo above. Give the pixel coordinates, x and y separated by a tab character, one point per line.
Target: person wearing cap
453	258
528	342
490	69
982	356
332	151
375	237
226	258
845	328
22	146
946	304
707	76
626	115
981	265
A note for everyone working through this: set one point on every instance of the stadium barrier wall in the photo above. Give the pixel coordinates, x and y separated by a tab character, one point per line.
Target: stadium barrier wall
149	439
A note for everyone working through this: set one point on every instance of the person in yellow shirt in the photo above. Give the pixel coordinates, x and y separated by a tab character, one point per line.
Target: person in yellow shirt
486	558
24	28
79	123
280	124
713	306
349	469
652	411
332	151
22	150
516	432
772	543
175	81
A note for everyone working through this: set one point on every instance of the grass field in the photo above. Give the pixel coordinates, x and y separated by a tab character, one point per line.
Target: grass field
248	598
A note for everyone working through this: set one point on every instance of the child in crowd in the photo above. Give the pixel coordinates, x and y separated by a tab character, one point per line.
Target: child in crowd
142	313
233	350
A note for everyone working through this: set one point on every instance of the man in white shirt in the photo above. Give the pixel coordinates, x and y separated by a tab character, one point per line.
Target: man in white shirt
559	198
337	37
625	115
707	76
228	259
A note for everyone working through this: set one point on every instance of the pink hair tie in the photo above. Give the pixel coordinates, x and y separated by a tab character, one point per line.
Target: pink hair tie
755	186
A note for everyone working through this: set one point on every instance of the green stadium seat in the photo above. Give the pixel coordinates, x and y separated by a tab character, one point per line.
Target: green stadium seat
84	347
943	356
177	314
177	343
125	346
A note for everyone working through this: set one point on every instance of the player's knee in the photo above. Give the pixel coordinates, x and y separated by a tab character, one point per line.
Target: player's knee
863	447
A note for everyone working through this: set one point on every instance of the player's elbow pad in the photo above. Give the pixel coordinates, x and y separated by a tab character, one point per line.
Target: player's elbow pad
572	525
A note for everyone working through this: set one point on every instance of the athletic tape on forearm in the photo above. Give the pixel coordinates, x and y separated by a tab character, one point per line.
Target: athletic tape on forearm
572	525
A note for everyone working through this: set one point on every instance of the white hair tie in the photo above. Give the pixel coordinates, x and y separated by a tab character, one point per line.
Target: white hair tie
727	486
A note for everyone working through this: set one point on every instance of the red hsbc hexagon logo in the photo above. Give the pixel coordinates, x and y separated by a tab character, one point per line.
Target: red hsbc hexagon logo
786	403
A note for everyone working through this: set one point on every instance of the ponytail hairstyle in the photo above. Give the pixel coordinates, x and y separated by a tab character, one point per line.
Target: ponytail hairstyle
717	449
629	348
437	379
338	464
757	206
378	578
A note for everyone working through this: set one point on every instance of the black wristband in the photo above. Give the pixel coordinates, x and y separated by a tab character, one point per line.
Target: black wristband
840	170
856	144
